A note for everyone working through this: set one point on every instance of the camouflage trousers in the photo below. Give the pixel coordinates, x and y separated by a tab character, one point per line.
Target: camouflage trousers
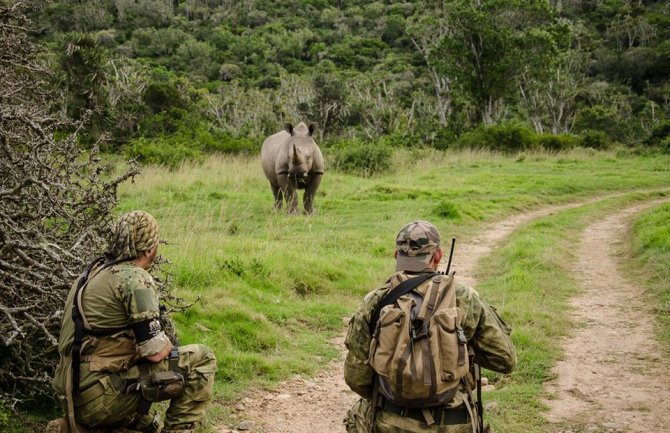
359	421
117	410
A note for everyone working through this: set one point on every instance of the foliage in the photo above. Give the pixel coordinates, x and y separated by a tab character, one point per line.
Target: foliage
447	210
665	145
512	137
363	69
660	134
595	139
186	144
361	158
56	205
517	137
557	142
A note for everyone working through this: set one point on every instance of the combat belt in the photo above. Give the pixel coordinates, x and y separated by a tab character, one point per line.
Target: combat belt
153	387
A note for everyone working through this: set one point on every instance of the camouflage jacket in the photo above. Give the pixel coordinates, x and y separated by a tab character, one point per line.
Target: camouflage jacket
488	336
115	297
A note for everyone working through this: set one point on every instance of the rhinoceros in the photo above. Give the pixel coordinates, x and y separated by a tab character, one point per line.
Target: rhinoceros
291	161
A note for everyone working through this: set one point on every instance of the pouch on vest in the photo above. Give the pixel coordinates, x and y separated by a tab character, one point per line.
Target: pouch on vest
164	385
418	349
110	354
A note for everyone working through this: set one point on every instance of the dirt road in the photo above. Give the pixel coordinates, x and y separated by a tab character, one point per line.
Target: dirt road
320	404
611	378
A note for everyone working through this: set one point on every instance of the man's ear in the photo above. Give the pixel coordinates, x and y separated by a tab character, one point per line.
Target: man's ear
395	253
437	256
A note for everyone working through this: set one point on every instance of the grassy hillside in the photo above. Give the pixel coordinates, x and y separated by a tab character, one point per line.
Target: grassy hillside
275	288
162	73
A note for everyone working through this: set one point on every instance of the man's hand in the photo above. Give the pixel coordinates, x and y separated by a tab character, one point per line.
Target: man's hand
161	355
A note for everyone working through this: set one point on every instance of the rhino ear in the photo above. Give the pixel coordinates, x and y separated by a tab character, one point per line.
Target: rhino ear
311	128
288	128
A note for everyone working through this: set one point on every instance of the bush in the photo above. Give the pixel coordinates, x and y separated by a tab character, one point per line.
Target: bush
506	137
557	142
225	143
659	134
604	119
665	146
401	138
362	158
164	150
595	139
187	144
447	210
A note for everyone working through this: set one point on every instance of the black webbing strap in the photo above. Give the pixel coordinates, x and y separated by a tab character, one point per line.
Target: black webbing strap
79	327
398	291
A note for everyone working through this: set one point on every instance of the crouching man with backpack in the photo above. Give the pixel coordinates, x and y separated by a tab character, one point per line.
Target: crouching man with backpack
416	343
116	360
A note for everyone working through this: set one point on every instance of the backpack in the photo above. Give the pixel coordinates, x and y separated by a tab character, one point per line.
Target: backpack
418	349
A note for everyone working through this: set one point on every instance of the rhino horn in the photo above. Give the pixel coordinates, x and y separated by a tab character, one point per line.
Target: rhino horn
296	159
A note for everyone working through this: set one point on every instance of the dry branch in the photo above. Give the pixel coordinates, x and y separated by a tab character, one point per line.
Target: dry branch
55	208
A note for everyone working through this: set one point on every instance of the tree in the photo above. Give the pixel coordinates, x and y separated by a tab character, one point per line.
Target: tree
82	61
330	104
428	33
54	208
489	44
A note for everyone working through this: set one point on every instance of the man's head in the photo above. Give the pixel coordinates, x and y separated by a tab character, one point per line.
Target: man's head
135	236
418	247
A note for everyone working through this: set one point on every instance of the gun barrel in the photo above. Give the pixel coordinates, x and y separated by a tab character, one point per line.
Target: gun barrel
451	255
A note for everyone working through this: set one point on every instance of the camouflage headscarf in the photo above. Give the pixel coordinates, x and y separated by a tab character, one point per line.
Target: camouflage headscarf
135	231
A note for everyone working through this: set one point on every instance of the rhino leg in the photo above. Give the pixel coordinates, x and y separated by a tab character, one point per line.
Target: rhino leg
288	188
310	191
292	198
278	195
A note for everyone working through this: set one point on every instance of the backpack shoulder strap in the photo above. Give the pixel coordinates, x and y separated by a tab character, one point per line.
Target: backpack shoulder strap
395	293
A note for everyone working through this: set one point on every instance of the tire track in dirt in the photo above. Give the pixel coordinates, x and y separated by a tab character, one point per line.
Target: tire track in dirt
320	404
611	379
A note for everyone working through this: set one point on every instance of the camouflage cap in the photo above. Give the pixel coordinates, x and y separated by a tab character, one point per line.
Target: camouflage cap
416	243
135	231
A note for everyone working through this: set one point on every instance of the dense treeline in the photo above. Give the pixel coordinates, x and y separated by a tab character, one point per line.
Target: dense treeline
171	79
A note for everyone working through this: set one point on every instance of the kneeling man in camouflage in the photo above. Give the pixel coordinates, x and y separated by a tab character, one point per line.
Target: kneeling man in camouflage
115	357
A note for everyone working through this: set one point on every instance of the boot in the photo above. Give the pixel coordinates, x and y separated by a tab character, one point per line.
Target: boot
182	428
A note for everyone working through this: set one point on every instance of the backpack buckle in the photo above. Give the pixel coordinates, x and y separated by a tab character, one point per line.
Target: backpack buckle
461	336
420	332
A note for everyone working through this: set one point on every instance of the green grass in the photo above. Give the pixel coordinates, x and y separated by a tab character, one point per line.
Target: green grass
650	253
275	288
